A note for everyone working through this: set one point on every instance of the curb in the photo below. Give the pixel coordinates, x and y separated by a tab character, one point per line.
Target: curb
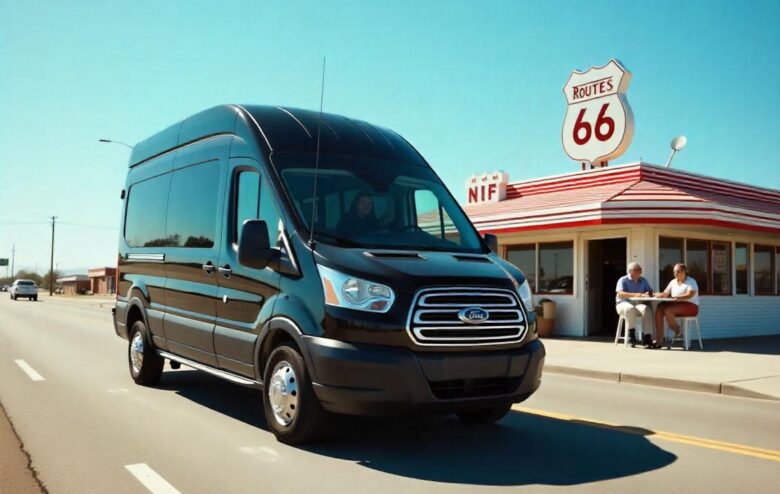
662	382
733	390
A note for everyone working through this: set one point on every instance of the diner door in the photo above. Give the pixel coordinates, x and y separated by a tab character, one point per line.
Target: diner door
606	264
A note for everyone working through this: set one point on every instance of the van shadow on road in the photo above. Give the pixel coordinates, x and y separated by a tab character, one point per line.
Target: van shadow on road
522	449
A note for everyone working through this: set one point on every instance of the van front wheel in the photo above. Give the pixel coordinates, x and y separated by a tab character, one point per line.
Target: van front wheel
292	410
145	365
485	415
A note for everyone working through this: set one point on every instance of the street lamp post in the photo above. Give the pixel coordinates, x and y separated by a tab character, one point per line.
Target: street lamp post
110	141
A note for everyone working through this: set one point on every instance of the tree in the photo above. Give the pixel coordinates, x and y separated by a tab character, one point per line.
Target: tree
24	275
44	283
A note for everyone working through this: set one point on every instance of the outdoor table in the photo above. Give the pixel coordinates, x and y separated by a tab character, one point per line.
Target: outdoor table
653	305
639	300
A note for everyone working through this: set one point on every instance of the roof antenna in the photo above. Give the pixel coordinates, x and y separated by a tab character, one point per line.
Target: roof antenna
317	161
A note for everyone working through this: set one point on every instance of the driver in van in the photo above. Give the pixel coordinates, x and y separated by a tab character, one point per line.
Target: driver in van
360	218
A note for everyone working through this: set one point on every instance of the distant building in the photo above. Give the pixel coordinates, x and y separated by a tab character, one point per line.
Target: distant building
102	281
77	284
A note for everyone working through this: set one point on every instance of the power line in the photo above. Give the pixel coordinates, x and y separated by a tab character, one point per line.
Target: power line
95	227
68	223
24	222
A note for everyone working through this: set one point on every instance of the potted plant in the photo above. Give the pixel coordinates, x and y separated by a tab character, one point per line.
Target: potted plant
545	317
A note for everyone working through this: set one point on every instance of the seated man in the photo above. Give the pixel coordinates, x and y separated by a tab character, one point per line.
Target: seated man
634	285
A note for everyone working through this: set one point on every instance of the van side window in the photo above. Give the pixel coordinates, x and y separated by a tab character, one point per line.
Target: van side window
431	217
192	206
247	200
145	217
254	200
268	211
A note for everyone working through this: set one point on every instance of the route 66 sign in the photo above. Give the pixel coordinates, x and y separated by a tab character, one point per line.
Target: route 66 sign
599	124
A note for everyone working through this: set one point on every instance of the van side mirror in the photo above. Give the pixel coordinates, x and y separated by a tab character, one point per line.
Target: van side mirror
492	242
254	249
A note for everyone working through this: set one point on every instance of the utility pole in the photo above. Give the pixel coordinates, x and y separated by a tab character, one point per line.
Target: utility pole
13	255
51	260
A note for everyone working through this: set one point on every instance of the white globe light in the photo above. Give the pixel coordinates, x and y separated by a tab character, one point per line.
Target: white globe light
679	142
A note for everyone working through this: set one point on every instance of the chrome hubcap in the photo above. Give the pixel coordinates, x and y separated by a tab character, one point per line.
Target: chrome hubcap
137	352
283	393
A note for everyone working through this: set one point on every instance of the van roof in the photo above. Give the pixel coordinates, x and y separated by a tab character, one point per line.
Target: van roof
282	130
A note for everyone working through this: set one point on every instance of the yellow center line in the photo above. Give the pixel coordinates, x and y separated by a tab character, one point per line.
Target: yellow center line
740	449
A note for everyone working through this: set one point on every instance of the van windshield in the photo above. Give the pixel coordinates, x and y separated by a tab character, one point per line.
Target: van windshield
375	203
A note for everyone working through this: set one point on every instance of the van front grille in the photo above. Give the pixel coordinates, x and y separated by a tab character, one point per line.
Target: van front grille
438	317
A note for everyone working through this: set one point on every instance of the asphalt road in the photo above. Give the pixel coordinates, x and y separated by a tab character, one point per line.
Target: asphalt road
65	386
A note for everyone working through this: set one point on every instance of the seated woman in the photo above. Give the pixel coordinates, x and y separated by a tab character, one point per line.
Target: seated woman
685	293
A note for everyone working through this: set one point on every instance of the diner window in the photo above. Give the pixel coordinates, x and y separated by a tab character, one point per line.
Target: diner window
763	270
554	273
720	256
524	257
777	270
741	267
670	252
708	261
556	267
697	262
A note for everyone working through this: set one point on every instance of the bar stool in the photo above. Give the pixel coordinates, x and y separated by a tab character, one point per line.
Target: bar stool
685	324
624	337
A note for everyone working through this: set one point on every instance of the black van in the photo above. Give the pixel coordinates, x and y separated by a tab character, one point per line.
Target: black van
322	261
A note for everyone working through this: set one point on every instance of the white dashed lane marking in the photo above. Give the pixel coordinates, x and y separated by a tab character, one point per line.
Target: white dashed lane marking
31	373
151	479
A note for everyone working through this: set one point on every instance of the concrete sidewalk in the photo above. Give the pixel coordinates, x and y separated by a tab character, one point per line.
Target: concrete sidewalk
741	366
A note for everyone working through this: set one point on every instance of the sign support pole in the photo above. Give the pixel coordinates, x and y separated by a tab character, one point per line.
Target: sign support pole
51	259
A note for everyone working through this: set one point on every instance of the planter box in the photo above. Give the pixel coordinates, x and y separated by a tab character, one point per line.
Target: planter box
545	326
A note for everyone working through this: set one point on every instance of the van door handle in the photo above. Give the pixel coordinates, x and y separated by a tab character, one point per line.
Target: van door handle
208	267
225	270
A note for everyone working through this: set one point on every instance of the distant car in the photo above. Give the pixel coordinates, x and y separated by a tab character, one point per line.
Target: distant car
3	288
24	288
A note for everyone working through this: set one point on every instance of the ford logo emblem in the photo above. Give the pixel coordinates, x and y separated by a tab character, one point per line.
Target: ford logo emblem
473	315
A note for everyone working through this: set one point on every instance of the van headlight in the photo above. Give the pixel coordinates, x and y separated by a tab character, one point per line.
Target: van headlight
524	291
350	292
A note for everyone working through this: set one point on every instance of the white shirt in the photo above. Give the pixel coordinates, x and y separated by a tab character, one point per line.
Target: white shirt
678	289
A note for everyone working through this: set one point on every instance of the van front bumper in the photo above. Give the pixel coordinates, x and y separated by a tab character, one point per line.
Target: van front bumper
360	379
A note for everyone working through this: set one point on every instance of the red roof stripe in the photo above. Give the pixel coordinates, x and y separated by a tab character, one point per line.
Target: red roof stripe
621	221
646	173
477	220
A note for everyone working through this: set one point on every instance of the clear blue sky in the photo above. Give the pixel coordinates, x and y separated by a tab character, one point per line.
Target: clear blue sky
474	85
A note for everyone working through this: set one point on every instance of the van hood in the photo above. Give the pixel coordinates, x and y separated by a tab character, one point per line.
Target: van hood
408	271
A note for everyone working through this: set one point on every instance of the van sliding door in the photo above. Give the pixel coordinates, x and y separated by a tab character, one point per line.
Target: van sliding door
194	225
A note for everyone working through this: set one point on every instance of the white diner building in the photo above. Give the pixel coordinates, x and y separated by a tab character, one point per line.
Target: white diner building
573	235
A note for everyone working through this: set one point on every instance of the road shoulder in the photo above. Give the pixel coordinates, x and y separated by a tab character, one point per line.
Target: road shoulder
16	472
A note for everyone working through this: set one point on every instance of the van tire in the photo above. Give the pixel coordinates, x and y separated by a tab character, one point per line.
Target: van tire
35	298
148	371
310	420
485	415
